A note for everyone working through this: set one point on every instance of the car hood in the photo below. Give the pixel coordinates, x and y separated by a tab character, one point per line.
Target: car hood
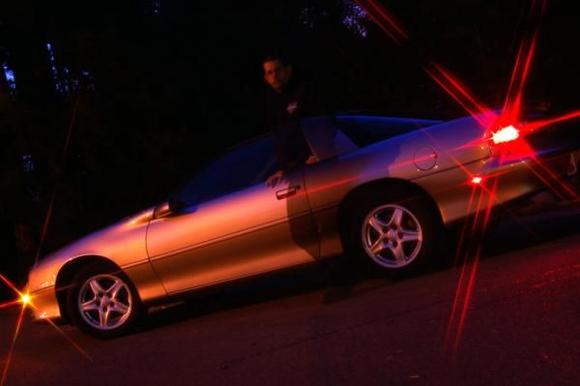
127	234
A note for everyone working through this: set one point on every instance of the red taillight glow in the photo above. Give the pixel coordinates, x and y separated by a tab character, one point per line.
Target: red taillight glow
507	134
476	180
25	299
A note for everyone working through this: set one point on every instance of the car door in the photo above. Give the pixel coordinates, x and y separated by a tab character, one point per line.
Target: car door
232	225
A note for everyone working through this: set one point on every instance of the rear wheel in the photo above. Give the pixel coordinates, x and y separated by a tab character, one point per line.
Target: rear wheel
103	302
396	233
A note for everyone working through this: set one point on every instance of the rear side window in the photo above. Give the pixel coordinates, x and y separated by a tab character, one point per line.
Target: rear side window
364	130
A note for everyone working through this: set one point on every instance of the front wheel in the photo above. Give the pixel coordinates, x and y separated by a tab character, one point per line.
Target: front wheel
103	302
396	233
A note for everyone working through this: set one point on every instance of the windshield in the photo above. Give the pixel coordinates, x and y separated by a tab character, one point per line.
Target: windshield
244	166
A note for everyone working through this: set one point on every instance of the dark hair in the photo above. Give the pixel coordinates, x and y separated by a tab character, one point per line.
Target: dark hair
272	56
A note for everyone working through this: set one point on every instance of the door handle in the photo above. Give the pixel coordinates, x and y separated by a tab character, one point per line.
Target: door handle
289	191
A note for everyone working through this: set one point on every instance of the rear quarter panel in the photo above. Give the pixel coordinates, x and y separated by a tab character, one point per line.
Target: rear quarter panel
438	159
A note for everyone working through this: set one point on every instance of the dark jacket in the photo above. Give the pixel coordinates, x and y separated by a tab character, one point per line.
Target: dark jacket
283	114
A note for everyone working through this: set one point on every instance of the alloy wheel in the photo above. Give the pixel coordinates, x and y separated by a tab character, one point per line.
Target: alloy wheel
105	302
392	236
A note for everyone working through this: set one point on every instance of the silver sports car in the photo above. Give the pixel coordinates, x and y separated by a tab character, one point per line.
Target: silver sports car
383	190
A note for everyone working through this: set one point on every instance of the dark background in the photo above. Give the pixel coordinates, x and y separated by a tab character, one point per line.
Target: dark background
150	89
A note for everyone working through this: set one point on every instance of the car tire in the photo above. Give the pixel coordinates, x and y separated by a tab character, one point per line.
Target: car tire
397	233
103	302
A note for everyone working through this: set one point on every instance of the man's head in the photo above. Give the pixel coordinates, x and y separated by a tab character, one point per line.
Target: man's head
277	72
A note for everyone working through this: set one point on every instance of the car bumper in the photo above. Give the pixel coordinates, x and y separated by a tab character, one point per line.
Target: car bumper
502	183
45	305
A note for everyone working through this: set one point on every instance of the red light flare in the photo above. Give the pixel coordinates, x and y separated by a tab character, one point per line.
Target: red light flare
18	325
552	181
335	183
542	171
70	129
407	162
24	304
469	246
69	339
466	299
520	149
479	186
457	297
511	114
462	255
465	290
64	335
12	346
530	127
9	284
451	157
481	219
45	224
475	223
329	185
65	150
379	14
464	230
476	180
459	92
512	109
9	304
492	197
384	20
516	150
485	117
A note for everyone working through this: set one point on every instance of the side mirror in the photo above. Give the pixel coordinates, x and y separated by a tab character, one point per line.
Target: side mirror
175	204
163	210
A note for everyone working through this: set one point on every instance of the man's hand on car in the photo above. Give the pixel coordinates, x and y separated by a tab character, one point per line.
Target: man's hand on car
275	179
312	160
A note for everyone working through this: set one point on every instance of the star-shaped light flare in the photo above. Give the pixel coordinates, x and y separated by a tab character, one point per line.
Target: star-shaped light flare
506	127
25	300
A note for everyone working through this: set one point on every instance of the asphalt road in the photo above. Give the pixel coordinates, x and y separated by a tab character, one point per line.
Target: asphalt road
522	327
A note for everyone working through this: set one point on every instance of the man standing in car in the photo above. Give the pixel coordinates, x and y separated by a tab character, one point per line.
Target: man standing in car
287	101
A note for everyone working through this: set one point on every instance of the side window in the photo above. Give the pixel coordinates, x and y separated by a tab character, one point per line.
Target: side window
364	130
325	139
243	167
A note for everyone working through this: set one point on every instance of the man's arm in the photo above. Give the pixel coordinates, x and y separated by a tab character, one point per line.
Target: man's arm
275	179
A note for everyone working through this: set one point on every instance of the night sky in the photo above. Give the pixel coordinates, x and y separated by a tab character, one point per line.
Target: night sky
111	105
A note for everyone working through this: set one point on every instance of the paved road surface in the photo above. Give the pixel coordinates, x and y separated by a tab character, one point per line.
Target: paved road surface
522	328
